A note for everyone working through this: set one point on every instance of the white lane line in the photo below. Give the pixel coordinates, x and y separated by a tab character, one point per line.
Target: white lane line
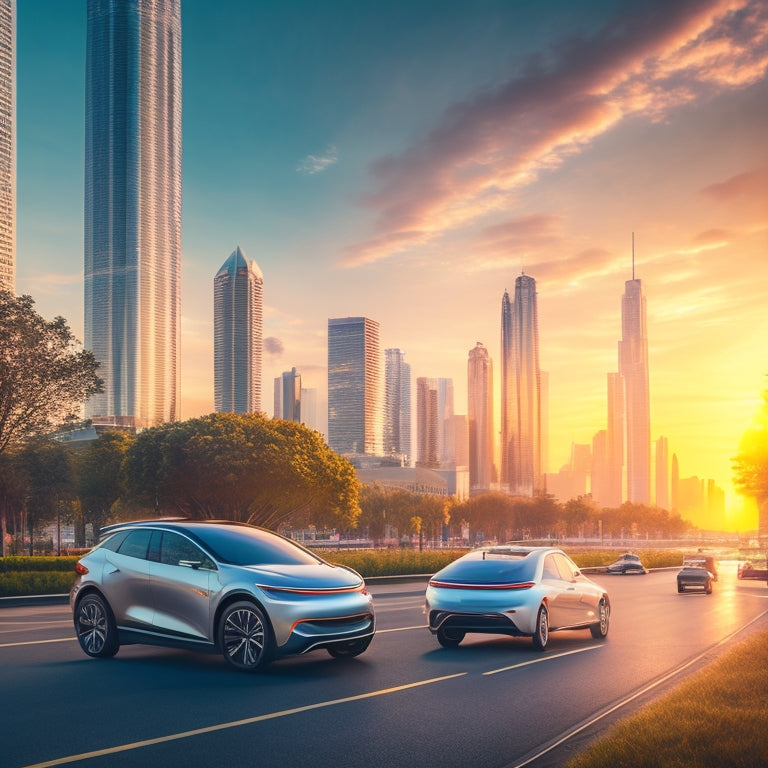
578	729
239	723
400	629
38	642
543	658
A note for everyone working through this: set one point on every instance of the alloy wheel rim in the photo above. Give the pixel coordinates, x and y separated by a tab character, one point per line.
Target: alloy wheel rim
244	637
92	627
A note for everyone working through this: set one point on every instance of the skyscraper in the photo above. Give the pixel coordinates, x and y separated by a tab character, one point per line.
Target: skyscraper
133	207
397	405
480	418
238	308
633	367
291	395
355	396
8	144
427	418
521	433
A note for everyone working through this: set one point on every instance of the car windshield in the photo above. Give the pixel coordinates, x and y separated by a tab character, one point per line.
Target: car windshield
238	545
490	567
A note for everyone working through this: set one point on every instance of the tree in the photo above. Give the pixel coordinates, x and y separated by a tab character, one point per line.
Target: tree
242	467
750	465
99	480
45	376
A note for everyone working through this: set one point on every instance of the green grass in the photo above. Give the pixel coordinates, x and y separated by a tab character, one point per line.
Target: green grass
716	718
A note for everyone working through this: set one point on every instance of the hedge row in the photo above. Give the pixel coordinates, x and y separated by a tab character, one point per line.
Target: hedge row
16	564
25	583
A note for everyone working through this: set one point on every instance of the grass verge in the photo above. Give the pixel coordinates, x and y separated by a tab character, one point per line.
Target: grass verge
715	718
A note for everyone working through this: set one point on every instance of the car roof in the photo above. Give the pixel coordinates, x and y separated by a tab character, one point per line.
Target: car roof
177	524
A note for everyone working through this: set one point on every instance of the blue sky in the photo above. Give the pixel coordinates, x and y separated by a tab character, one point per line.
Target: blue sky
406	160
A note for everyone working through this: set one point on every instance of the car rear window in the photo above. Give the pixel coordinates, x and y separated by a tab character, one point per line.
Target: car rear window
251	546
494	568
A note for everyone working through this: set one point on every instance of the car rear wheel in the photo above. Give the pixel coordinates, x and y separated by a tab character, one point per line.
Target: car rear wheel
95	627
680	588
449	638
541	635
600	629
244	636
709	587
349	648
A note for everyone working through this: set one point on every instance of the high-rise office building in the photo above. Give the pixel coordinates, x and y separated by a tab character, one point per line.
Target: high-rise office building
480	418
238	309
355	396
291	395
521	433
633	367
8	144
427	437
309	415
397	405
133	208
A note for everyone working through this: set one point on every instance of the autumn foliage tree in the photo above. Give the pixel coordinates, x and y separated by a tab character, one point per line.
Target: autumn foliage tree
243	467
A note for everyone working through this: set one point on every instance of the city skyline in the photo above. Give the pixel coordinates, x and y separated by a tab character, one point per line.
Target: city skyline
460	149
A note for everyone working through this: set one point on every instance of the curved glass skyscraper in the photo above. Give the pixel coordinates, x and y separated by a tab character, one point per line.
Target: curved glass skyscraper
238	310
133	208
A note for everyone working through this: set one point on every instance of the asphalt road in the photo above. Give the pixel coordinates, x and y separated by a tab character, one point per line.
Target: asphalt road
492	702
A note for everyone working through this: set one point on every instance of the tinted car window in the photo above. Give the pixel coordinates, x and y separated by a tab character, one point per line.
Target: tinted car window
174	549
114	541
250	546
135	544
497	568
566	567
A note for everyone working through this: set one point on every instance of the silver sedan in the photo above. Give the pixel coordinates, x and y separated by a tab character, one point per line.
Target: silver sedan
518	591
230	588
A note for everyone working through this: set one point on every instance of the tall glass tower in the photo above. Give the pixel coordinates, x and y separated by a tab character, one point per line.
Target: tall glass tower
8	144
633	367
238	310
521	402
355	392
133	208
480	418
397	405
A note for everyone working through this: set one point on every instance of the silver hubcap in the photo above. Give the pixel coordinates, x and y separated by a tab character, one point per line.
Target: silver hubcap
543	627
603	618
244	637
92	629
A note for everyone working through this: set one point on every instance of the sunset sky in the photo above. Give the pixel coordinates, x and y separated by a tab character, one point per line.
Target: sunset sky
405	161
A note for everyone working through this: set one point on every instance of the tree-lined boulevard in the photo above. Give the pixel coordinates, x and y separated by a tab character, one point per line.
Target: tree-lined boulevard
493	701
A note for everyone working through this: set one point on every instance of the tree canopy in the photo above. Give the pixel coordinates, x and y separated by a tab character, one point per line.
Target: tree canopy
45	376
242	467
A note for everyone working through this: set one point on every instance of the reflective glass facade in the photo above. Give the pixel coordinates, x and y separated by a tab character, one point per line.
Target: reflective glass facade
7	144
397	405
521	418
480	418
355	391
133	208
238	312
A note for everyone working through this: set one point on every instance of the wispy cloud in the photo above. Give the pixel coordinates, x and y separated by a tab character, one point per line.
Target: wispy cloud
656	57
313	164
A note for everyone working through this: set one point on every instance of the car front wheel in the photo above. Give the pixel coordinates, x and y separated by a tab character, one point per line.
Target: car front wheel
449	638
349	648
95	627
244	636
541	634
600	629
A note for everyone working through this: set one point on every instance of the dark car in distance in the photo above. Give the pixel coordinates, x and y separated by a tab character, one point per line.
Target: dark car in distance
695	577
702	561
627	563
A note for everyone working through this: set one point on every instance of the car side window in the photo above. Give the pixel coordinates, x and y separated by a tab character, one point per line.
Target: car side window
550	568
566	568
175	550
135	544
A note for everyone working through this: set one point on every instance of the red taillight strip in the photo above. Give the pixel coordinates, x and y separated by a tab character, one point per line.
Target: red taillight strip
455	585
80	568
294	591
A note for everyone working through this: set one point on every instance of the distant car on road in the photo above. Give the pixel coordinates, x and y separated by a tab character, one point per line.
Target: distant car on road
694	577
752	570
627	563
517	591
225	587
703	561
